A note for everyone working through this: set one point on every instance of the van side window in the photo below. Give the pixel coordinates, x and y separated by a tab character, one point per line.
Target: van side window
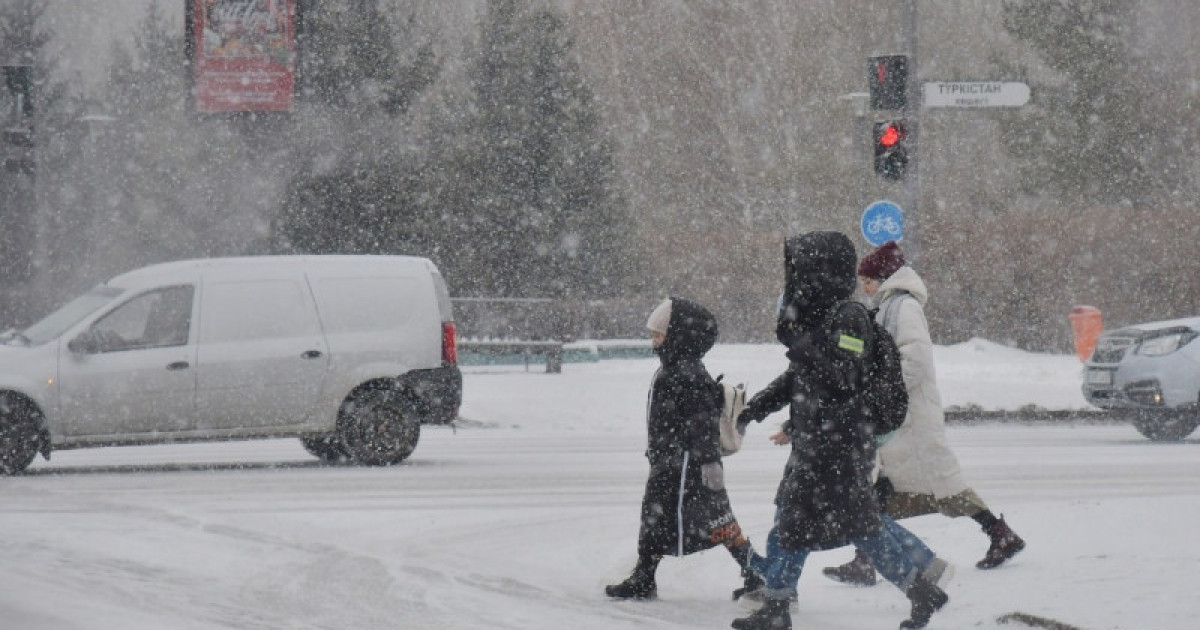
261	309
156	319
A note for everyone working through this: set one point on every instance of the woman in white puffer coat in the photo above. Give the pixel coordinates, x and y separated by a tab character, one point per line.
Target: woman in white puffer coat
918	471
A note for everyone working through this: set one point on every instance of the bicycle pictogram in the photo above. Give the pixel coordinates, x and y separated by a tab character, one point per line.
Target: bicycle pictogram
884	224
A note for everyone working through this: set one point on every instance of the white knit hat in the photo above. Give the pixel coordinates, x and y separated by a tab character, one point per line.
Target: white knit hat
660	317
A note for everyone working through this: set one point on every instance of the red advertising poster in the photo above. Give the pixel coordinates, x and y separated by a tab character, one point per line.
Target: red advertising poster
244	55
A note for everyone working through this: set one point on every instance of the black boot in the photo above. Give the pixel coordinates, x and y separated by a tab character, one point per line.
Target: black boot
926	599
750	580
750	583
1005	544
640	584
773	615
858	571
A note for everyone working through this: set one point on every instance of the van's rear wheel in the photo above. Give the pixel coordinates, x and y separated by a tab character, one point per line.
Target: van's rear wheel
327	448
19	437
380	426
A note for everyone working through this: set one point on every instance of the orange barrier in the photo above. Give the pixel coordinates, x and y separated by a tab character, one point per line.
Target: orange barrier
1086	325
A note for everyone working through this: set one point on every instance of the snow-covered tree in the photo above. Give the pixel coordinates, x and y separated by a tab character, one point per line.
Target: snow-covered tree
357	186
530	178
1091	134
25	38
160	181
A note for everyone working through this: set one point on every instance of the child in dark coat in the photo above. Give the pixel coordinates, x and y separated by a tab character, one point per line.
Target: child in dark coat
685	507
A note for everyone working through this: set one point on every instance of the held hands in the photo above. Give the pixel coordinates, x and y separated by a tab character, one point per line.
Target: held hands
743	420
713	476
780	438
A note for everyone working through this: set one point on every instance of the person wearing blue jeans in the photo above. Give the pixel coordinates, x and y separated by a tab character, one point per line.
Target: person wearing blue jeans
896	551
826	498
925	560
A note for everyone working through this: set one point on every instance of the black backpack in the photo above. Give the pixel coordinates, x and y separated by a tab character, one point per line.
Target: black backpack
884	393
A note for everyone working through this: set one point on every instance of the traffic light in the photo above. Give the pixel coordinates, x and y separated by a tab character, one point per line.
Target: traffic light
19	81
887	78
891	149
16	140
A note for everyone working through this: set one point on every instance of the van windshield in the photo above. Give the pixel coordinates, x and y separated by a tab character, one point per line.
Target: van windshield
54	324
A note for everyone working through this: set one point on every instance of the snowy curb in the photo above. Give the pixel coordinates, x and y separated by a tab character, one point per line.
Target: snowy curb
1029	415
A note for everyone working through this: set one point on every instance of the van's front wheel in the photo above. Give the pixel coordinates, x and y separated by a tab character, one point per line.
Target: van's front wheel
19	437
380	426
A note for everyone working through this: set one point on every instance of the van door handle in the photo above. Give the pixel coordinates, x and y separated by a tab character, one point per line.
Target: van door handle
178	365
310	354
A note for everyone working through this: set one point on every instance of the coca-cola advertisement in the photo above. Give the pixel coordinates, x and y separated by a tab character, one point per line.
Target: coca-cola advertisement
243	55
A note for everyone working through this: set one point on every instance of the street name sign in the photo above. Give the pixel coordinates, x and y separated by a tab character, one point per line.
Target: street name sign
976	94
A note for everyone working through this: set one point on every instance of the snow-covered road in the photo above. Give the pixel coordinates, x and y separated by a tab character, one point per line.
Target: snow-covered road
520	528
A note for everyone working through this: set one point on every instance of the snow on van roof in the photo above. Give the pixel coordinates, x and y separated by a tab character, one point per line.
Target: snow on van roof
159	269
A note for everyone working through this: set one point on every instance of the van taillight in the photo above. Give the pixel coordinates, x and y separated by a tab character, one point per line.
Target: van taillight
449	343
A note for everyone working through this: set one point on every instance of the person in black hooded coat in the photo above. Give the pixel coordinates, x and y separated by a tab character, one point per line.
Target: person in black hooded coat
685	507
826	498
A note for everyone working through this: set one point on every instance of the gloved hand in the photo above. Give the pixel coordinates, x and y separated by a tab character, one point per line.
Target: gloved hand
883	491
713	476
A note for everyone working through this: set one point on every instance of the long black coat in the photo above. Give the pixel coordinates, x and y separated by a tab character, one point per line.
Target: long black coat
680	515
825	498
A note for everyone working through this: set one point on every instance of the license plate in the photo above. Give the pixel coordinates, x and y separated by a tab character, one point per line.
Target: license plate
1099	377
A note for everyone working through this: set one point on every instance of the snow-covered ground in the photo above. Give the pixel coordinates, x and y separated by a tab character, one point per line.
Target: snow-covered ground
518	519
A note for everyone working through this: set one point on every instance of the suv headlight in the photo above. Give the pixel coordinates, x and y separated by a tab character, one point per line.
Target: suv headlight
1165	344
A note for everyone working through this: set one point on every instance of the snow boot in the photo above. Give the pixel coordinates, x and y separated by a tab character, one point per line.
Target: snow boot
760	595
926	599
773	615
858	571
640	584
1005	544
751	583
750	580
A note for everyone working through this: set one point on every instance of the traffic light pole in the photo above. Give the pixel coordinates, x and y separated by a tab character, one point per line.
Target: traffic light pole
912	114
18	199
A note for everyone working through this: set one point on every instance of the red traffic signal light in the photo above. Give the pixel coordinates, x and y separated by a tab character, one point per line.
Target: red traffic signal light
891	149
890	136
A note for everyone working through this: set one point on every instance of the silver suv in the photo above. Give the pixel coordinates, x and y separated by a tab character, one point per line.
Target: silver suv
1152	369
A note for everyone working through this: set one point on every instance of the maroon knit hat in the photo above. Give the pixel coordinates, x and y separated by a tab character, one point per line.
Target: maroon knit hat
882	263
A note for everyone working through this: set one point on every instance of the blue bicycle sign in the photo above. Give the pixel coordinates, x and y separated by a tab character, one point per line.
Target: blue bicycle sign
883	221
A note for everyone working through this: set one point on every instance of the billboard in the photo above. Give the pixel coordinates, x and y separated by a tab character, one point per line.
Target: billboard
243	55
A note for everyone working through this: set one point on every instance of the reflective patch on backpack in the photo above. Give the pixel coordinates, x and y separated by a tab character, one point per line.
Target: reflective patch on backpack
853	344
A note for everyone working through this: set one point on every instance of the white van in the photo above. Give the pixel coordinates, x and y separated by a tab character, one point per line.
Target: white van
349	353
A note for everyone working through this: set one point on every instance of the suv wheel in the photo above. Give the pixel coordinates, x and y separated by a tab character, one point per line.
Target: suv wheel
19	437
380	426
1166	426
